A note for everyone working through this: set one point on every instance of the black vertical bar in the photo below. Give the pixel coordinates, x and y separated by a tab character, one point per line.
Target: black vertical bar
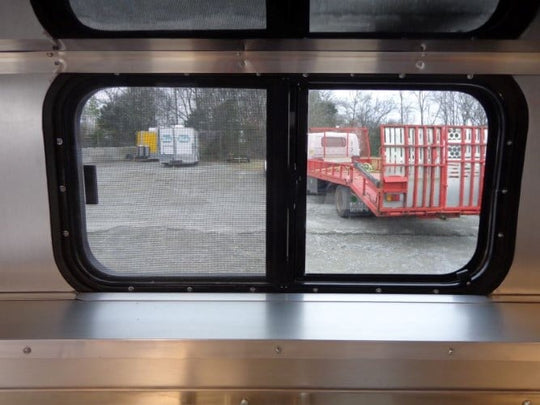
277	184
90	184
287	18
298	130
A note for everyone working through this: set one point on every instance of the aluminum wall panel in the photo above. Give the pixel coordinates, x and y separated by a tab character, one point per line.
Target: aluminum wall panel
524	275
26	257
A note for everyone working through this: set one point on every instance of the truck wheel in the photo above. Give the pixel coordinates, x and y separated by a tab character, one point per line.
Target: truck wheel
343	201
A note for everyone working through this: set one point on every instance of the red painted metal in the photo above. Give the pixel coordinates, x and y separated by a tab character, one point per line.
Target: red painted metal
441	166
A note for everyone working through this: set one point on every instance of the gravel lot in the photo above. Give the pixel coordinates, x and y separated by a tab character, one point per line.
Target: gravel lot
210	218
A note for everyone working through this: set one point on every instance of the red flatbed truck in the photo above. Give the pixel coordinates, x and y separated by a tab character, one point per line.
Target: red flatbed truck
422	170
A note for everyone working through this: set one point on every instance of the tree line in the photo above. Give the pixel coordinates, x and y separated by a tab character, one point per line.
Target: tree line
371	109
232	121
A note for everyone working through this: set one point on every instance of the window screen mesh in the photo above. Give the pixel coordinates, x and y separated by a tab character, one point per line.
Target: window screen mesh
401	193
430	16
145	15
180	179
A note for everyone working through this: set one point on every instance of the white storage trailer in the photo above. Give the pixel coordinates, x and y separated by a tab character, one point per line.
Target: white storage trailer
178	146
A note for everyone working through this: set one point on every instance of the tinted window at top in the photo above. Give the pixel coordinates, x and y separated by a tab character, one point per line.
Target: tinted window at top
432	16
181	15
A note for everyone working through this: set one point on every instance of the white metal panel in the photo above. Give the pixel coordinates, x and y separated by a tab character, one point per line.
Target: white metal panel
26	257
524	275
18	21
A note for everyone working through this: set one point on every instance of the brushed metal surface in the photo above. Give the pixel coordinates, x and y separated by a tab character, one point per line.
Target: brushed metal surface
298	45
274	317
277	344
18	21
524	275
251	397
287	61
26	258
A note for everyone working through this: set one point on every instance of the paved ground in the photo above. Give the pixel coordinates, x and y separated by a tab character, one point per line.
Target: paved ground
210	218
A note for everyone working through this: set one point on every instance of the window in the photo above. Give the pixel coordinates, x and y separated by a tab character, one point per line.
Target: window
284	19
284	183
413	205
170	15
450	16
180	180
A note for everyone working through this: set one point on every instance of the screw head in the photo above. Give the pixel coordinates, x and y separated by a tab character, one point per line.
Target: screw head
65	234
62	189
420	65
190	289
131	288
278	349
27	350
59	141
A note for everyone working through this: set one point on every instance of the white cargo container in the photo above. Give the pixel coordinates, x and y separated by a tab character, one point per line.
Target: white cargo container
178	146
333	146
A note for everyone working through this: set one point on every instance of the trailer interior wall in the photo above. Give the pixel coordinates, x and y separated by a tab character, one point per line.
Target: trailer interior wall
58	347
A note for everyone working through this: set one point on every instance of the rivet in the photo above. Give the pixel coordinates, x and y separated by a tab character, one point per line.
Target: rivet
423	47
378	290
420	65
59	141
402	75
50	54
527	402
278	349
62	189
252	289
500	235
504	191
315	290
451	351
435	291
131	288
190	289
509	143
470	76
244	402
27	350
305	75
65	234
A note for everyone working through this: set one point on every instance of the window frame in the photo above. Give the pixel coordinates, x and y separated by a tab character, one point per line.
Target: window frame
285	19
287	107
62	109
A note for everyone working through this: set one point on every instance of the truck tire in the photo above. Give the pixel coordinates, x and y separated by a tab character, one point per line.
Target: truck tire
343	201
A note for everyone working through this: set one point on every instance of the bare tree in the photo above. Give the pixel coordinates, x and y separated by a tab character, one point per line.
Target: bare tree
365	110
405	108
423	104
472	112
